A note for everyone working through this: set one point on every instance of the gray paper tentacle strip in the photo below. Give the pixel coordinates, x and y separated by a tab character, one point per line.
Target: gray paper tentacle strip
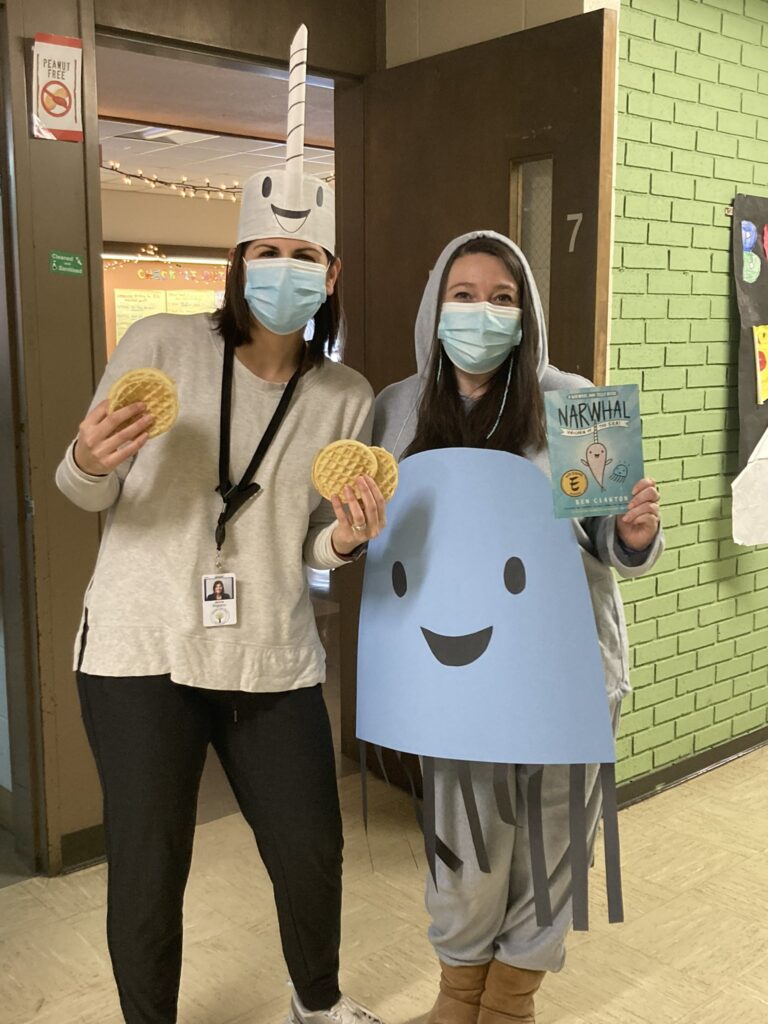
539	870
380	758
578	849
501	792
362	747
470	806
430	830
444	852
611	843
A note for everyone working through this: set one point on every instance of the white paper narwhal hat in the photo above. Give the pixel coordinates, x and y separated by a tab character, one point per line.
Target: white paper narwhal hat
287	203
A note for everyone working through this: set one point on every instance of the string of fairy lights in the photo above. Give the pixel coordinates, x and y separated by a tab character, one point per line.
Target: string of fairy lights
183	187
153	254
146	252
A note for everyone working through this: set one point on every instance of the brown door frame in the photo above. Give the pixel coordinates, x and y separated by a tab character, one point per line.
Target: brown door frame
17	593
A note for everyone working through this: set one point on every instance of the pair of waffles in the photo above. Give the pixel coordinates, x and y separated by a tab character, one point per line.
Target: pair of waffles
337	465
152	387
340	464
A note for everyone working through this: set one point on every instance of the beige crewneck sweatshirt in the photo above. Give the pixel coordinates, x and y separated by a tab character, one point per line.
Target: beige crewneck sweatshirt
143	605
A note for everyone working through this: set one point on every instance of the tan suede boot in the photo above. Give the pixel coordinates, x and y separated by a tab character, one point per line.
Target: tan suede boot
458	1001
508	995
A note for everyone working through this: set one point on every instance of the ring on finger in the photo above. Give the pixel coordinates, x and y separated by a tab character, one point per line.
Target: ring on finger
359	527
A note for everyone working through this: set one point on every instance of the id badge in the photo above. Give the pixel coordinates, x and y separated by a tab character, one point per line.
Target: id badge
219	599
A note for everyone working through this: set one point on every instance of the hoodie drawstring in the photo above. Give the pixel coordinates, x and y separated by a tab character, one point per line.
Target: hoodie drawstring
503	401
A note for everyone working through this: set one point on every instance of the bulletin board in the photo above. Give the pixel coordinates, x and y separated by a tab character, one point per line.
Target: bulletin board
137	288
750	269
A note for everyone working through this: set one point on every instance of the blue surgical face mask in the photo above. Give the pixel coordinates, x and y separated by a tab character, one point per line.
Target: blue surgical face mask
478	336
284	294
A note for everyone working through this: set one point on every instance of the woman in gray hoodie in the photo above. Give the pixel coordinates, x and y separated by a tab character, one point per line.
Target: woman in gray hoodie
481	349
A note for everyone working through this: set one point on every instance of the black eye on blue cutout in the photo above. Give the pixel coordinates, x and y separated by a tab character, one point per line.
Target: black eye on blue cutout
319	196
266	187
514	576
399	580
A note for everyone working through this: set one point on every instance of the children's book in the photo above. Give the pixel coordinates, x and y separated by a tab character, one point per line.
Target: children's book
595	449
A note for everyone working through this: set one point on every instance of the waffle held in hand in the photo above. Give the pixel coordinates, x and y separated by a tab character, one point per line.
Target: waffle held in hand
340	464
152	387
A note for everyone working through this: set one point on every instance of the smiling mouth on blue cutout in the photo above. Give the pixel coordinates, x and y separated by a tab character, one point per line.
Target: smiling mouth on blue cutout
458	651
298	217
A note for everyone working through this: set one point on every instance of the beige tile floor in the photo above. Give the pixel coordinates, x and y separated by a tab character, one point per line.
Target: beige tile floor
694	949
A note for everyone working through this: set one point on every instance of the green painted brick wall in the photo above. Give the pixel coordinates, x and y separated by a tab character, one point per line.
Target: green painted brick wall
692	131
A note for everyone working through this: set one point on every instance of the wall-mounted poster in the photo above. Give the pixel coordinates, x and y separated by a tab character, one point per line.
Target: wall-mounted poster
132	304
750	269
57	88
760	333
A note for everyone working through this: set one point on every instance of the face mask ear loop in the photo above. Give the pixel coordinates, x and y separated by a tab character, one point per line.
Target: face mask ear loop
439	365
504	400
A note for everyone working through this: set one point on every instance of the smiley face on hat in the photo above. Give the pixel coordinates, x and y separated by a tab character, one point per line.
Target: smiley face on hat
279	204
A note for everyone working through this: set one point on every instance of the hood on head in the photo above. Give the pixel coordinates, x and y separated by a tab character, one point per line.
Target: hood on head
428	310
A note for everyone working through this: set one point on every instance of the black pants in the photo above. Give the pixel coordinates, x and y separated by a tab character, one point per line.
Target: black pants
149	737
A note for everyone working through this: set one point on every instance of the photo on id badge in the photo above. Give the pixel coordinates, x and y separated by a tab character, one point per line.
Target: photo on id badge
219	600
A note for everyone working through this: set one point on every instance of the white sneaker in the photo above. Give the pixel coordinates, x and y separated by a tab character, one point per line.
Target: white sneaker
346	1011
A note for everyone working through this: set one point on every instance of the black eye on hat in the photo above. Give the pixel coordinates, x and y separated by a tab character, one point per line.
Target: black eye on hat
319	196
399	580
266	187
514	576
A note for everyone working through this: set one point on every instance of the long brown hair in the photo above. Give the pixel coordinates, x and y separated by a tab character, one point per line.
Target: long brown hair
234	320
444	422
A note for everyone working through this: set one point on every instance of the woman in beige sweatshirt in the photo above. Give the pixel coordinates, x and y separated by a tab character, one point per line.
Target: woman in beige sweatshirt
159	677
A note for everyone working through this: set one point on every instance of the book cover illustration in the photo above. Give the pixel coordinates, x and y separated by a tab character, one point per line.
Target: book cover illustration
595	449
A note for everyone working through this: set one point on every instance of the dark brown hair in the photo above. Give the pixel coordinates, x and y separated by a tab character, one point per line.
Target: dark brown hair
444	422
234	320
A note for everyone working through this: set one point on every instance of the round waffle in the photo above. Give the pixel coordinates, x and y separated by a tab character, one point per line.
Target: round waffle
152	387
386	474
341	463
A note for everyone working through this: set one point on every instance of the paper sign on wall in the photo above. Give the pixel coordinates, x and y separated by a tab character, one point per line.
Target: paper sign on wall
66	263
760	334
57	71
189	300
132	304
750	498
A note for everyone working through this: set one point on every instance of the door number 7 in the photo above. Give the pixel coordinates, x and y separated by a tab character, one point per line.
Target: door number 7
577	218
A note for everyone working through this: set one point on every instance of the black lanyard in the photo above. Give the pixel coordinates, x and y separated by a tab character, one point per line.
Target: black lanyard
236	495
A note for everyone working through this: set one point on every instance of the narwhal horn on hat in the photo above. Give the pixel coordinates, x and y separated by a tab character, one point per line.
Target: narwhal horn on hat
294	140
285	202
